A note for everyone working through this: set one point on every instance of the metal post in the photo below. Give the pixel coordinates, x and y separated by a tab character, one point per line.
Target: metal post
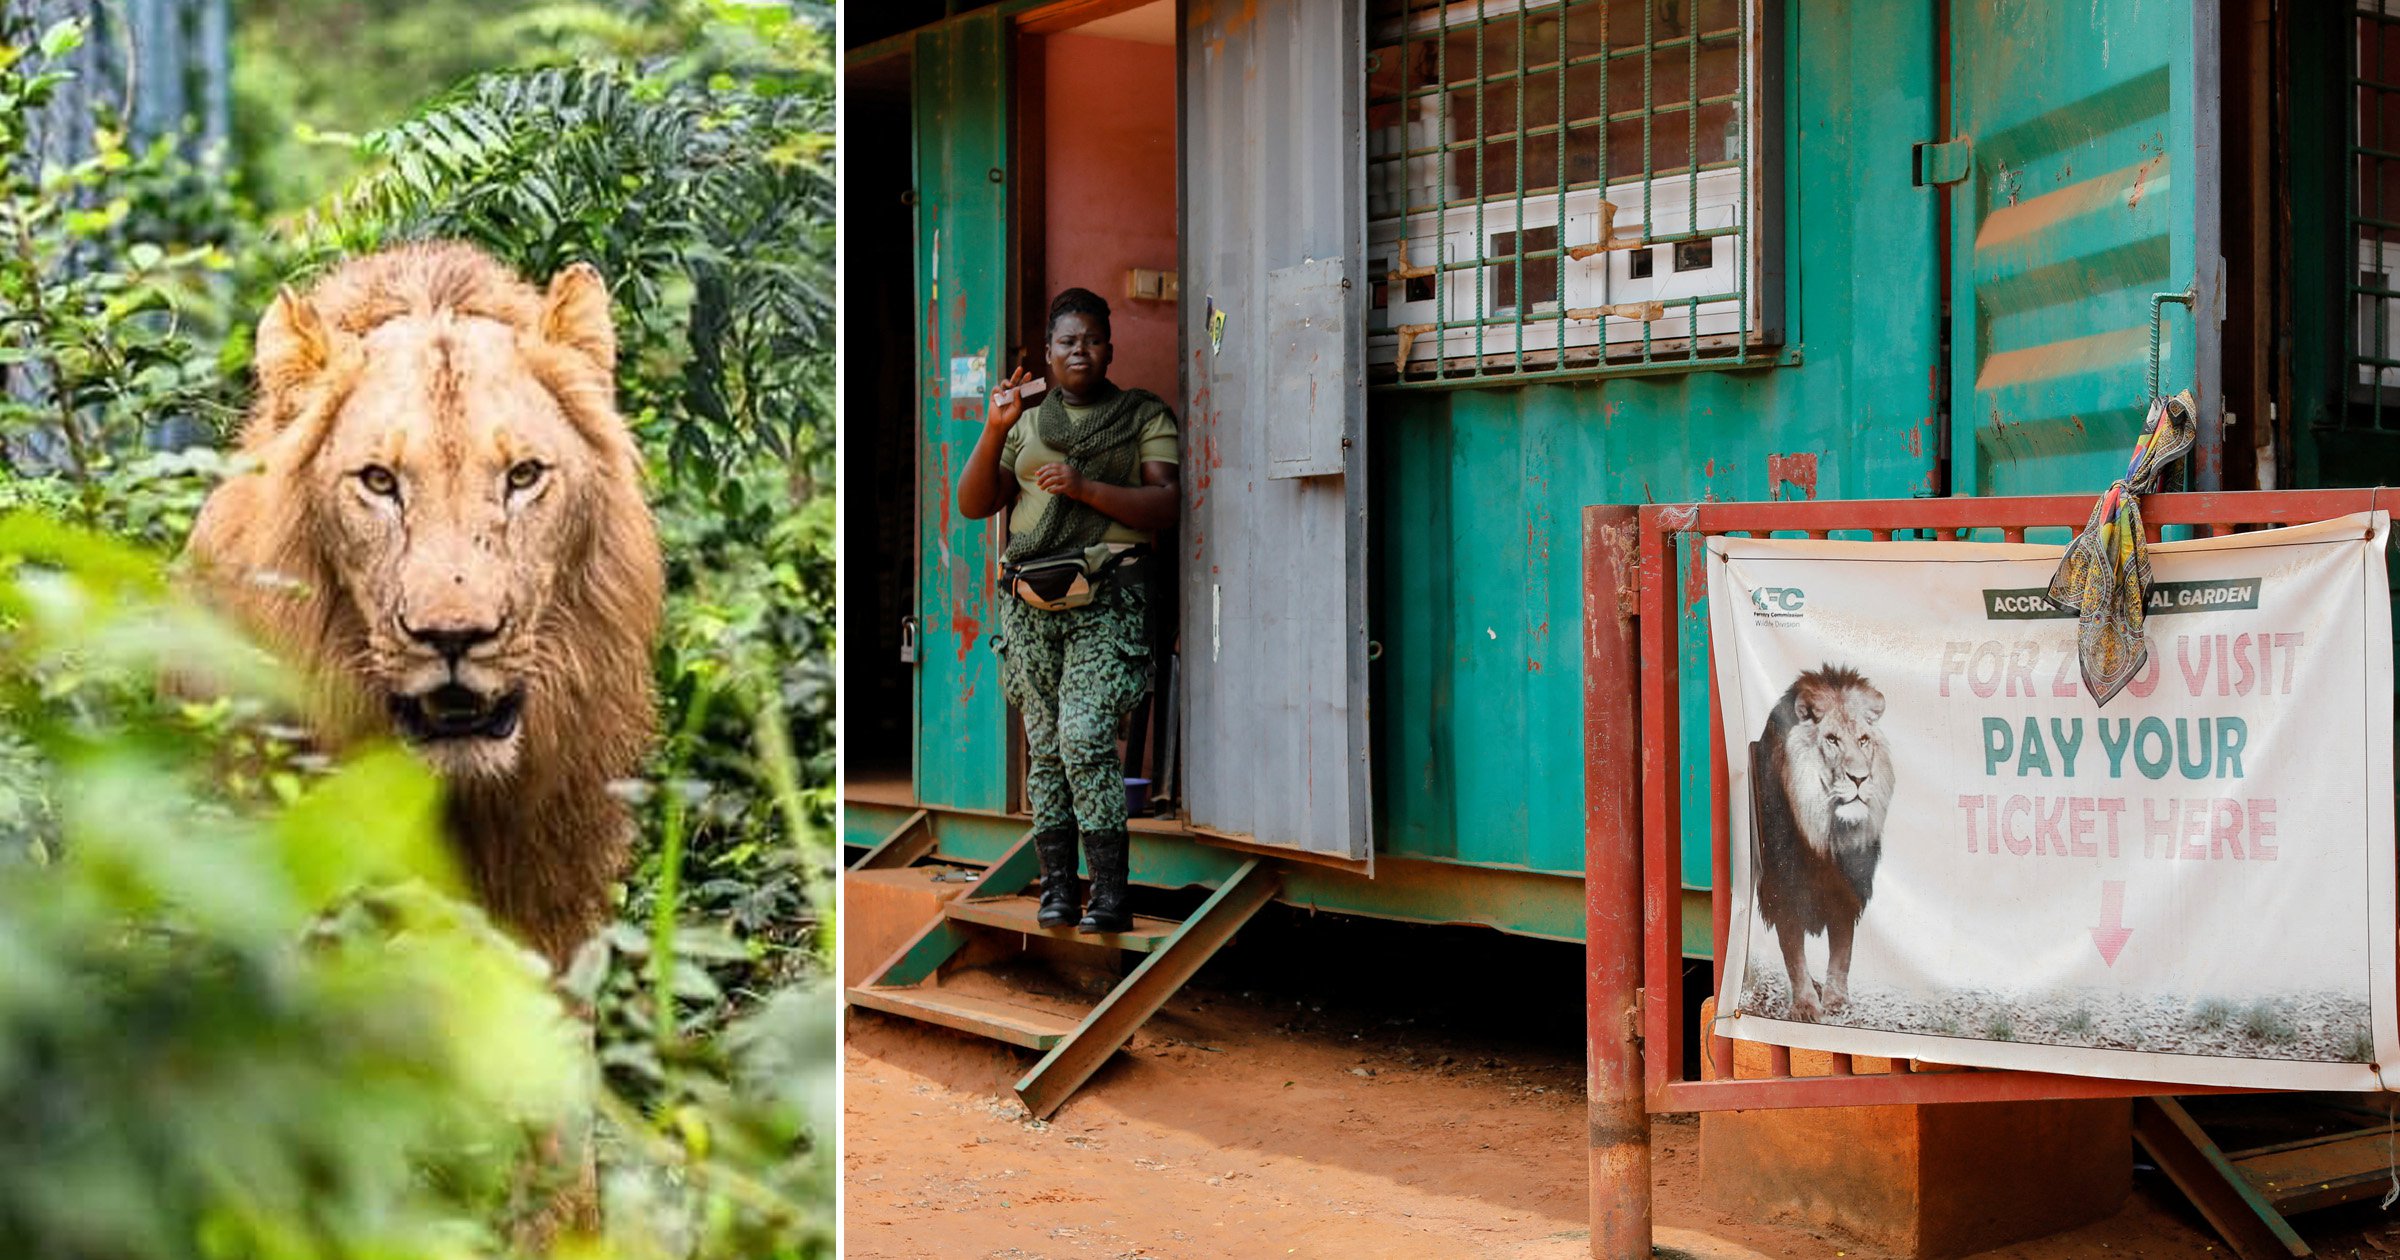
1612	792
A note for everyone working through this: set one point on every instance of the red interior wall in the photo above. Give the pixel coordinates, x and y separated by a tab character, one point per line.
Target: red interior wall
1108	137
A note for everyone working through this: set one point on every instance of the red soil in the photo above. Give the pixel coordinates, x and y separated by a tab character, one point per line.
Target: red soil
1237	1128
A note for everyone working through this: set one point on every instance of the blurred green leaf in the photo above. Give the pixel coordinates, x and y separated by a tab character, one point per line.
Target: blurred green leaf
382	812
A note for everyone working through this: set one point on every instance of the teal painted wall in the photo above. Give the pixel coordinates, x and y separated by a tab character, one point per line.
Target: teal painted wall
1476	554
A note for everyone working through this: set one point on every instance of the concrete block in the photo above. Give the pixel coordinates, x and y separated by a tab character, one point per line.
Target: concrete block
1924	1181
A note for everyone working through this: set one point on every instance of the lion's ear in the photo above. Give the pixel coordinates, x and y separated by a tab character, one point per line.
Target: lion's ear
294	344
575	315
1874	700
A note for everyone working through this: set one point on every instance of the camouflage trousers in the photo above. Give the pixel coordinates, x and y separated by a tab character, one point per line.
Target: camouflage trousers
1075	675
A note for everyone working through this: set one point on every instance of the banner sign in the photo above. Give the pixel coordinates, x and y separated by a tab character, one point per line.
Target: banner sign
1943	849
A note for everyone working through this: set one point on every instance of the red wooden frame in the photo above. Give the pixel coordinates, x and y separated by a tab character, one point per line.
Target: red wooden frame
1639	841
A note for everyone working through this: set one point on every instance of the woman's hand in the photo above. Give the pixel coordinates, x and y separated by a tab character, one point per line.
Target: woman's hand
1061	480
1006	406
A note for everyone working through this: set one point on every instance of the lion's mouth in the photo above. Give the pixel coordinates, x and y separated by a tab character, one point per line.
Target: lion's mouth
451	711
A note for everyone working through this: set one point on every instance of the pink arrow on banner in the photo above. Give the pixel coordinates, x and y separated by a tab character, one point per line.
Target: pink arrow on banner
2112	933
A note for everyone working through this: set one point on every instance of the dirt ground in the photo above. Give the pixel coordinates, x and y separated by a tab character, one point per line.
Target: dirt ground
1250	1119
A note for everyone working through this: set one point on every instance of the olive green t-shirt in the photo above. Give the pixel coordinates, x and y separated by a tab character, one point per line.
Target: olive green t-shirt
1024	452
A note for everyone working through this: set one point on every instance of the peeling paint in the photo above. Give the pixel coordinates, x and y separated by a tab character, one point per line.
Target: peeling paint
941	501
1203	13
2024	223
2141	178
1796	470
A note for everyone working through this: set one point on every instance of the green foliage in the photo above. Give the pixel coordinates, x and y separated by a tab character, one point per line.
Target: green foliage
286	1034
234	1023
88	317
309	76
700	186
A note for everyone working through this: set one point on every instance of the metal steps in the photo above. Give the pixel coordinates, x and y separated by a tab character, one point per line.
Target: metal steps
907	984
1018	914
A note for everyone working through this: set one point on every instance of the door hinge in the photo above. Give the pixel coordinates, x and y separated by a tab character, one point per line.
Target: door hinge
1944	161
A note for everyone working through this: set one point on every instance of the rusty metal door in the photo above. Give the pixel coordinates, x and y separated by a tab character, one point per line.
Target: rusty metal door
1274	638
962	118
2084	139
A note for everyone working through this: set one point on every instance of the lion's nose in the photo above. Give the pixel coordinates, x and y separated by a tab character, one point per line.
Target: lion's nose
452	641
1859	779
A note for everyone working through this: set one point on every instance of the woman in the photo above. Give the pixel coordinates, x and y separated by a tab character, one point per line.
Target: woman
1091	475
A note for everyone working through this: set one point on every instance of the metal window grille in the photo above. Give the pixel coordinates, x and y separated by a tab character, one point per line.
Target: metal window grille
2372	217
1561	187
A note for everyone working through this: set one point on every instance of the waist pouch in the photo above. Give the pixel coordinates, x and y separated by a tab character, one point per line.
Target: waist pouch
1069	579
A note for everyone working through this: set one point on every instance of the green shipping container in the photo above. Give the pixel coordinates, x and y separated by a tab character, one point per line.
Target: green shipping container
1811	250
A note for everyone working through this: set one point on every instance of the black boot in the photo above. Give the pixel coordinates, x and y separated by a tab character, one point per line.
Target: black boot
1061	900
1105	850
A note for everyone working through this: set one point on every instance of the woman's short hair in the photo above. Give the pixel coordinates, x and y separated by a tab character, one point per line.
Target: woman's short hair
1082	302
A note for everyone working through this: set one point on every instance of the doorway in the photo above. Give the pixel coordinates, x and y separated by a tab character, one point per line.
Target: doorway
1097	208
879	429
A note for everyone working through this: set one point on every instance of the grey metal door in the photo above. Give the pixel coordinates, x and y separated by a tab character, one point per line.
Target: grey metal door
1274	654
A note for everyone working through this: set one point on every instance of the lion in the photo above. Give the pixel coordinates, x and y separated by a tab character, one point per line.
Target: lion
443	523
1823	789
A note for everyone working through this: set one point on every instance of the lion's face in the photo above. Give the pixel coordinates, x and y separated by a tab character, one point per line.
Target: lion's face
1837	765
455	481
443	476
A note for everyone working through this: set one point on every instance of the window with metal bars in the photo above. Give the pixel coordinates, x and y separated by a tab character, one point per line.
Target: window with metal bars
1565	187
2372	217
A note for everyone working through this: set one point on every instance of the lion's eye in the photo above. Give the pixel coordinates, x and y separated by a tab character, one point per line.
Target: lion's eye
379	480
523	474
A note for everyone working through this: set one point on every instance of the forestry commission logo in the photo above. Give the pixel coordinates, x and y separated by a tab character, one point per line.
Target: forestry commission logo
2033	603
1777	603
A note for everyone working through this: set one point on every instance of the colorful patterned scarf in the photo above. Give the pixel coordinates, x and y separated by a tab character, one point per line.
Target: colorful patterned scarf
1104	444
2105	576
